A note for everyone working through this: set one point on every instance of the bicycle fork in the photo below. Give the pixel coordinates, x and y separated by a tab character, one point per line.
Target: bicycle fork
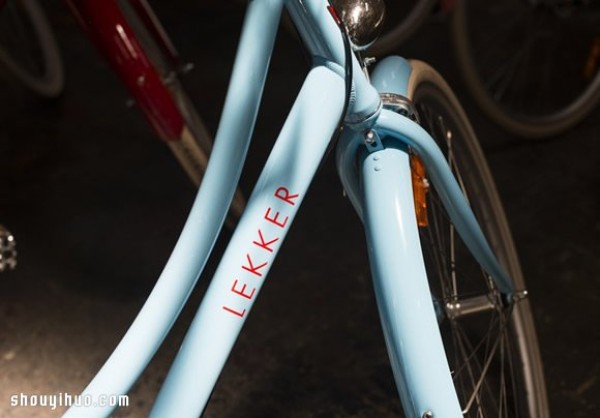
380	188
385	204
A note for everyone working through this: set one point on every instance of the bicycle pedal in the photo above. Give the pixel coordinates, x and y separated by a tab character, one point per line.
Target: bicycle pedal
8	250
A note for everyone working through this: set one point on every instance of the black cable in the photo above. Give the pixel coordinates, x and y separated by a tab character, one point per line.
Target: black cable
348	70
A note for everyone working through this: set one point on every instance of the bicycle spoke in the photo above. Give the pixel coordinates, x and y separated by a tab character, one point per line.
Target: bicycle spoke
471	374
535	87
489	364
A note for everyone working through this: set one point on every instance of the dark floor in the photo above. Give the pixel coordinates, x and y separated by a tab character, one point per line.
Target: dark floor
96	205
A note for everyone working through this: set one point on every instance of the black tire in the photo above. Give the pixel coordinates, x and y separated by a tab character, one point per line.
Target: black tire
28	48
496	346
532	67
402	20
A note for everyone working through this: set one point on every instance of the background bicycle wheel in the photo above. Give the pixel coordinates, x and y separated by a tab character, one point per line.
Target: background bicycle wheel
96	205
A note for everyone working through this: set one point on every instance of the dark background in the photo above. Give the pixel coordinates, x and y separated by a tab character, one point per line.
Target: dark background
96	204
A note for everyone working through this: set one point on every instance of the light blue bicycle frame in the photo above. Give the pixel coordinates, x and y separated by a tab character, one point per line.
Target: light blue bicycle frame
378	182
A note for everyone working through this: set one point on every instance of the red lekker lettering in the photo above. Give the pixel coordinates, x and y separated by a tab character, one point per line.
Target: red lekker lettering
240	288
242	291
264	244
236	313
284	194
275	220
252	268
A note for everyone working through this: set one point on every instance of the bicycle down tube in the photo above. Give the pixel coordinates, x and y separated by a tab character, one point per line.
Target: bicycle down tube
278	193
254	245
155	319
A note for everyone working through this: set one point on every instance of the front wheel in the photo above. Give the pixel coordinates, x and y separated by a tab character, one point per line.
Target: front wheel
490	341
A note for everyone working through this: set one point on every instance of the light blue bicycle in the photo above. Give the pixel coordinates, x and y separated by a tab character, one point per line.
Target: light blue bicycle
449	289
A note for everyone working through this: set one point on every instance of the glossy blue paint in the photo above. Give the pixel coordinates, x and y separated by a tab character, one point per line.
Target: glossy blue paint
405	305
378	185
189	256
323	39
411	133
392	75
254	245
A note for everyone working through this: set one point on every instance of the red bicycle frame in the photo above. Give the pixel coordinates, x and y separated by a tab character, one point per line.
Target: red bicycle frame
110	31
107	26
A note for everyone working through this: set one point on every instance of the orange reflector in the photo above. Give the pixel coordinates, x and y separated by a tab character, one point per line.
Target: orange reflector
420	187
593	60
